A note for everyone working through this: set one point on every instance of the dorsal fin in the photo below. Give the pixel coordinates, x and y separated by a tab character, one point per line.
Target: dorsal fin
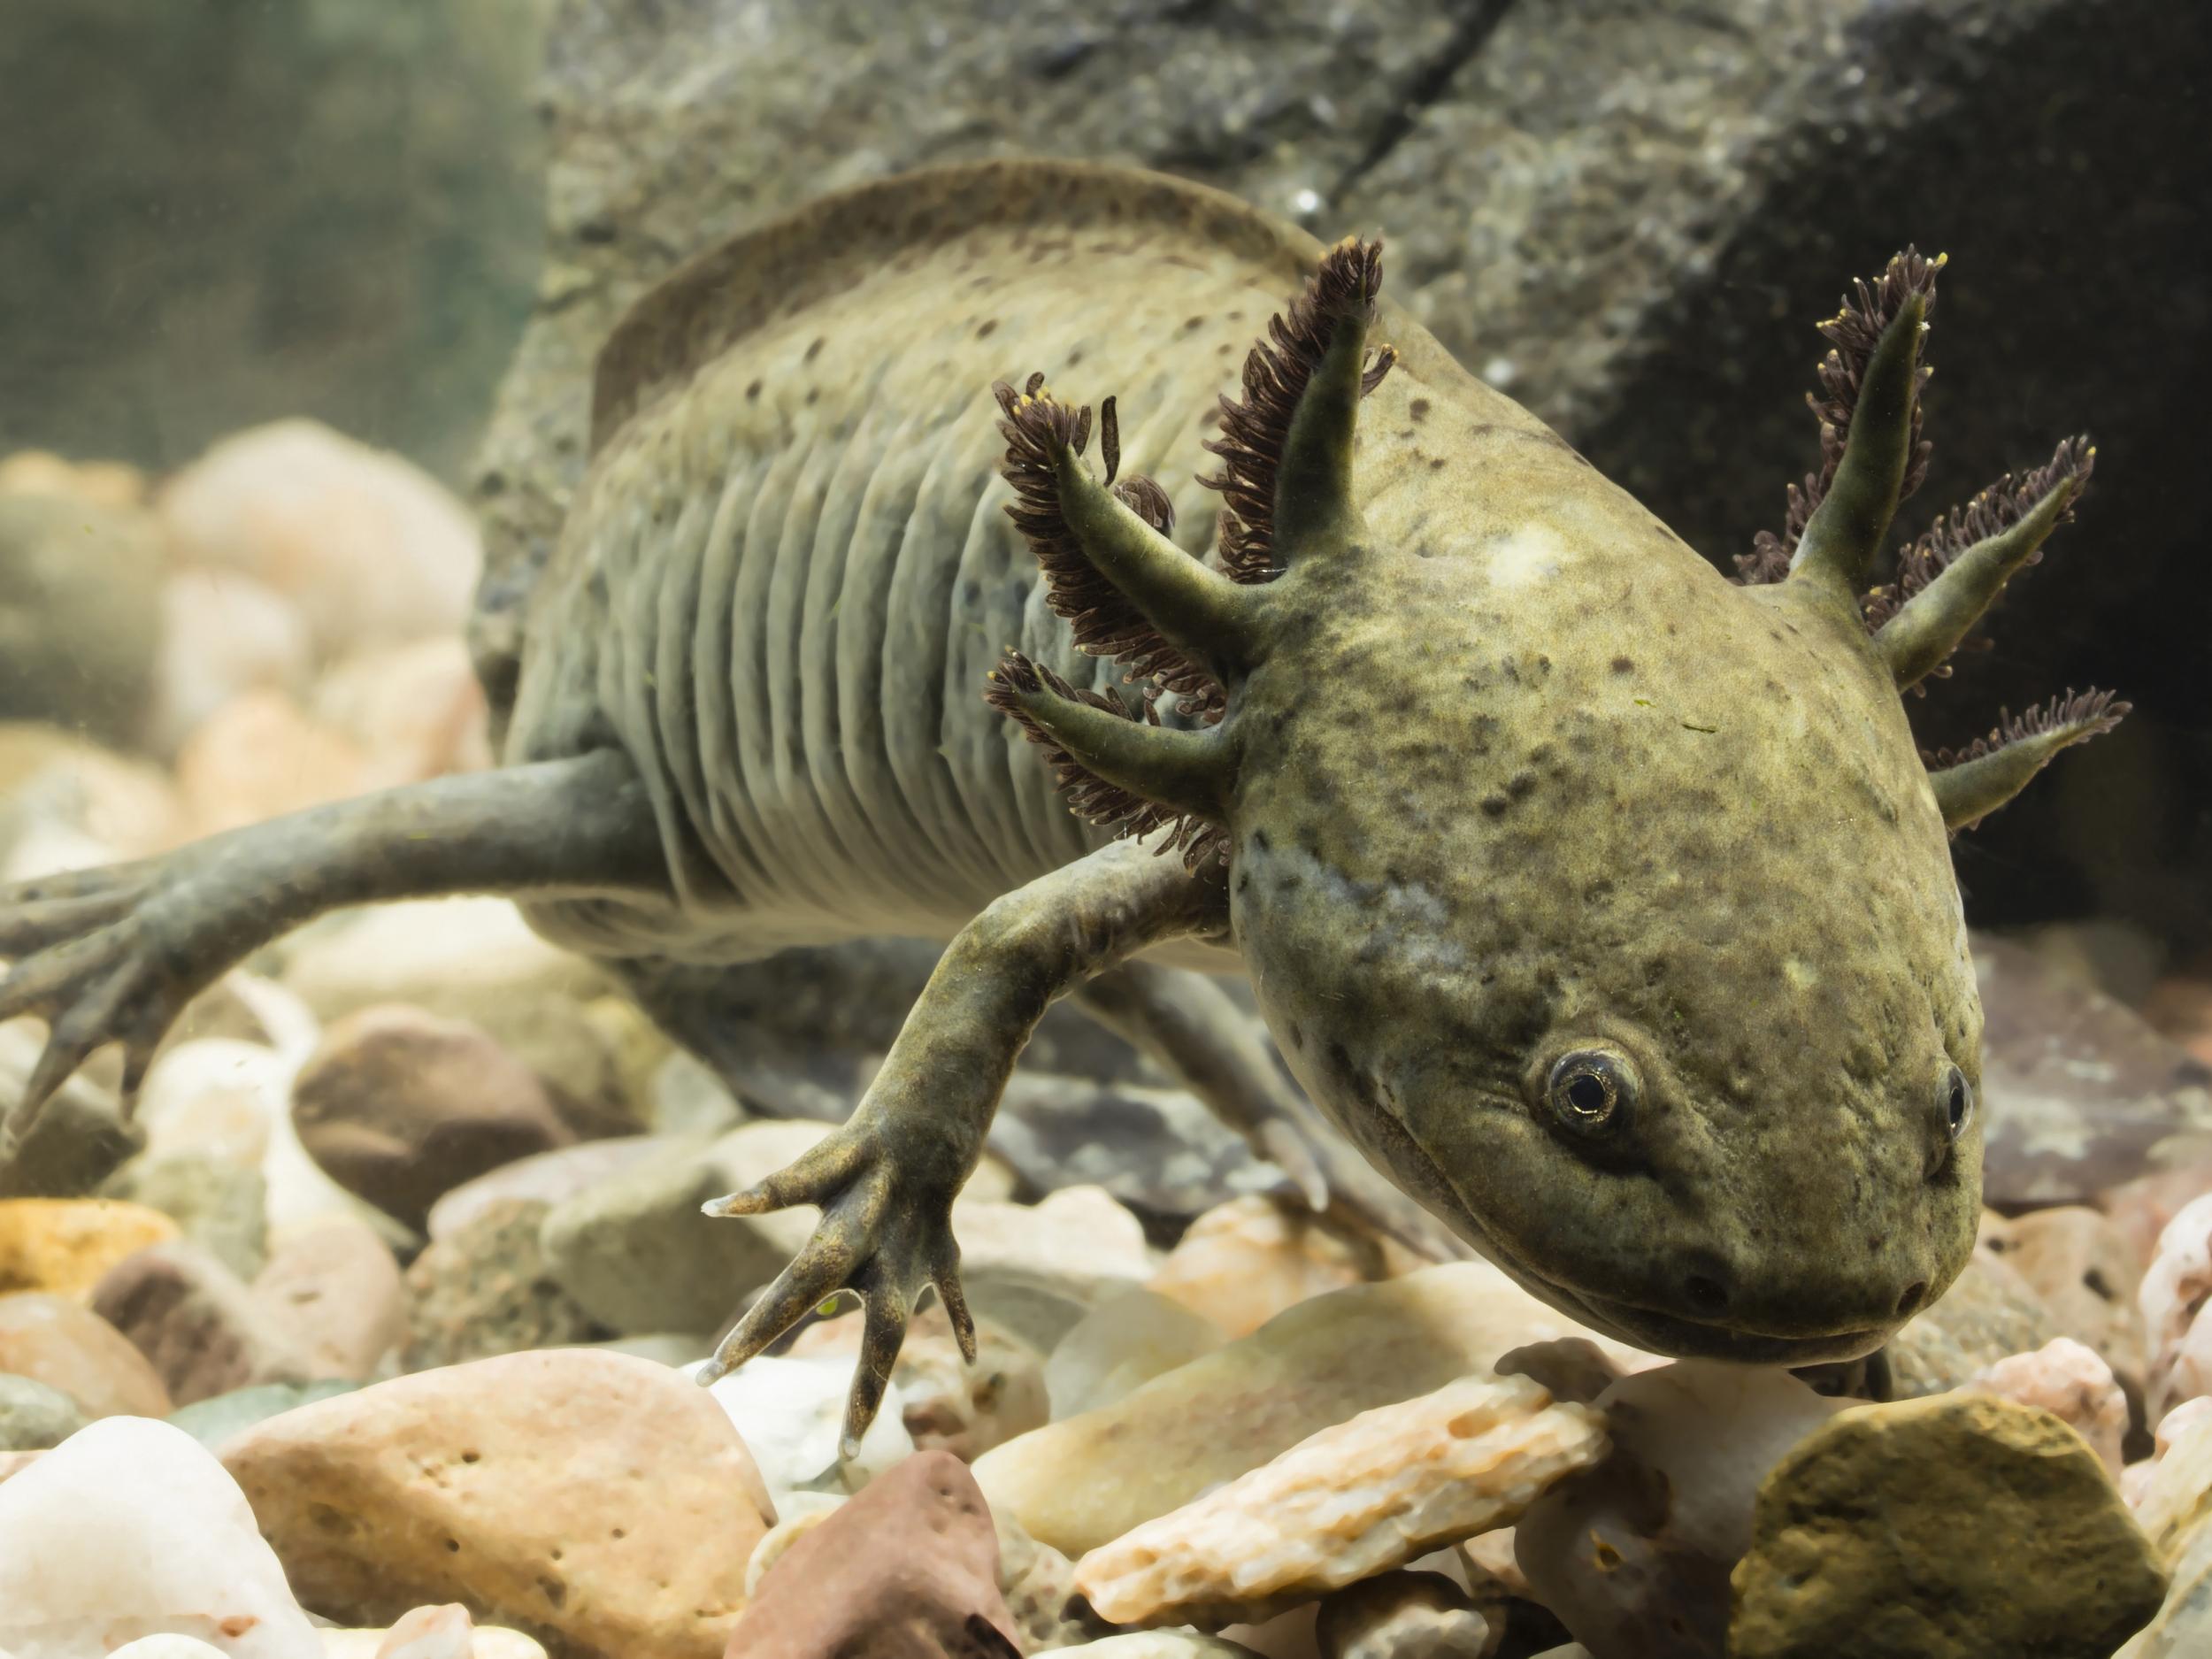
716	298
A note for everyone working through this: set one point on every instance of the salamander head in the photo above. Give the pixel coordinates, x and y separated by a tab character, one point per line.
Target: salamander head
1607	905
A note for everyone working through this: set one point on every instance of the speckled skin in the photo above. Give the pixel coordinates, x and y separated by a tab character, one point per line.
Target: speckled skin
1508	774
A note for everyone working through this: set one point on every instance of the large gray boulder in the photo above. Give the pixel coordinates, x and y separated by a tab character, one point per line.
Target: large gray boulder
1626	214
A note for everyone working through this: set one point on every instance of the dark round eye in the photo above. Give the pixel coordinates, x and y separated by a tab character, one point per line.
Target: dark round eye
1958	1102
1592	1091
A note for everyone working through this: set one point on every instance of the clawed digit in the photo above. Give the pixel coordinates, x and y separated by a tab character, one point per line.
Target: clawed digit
886	1244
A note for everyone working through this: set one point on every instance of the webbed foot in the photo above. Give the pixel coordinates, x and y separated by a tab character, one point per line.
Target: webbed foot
886	1233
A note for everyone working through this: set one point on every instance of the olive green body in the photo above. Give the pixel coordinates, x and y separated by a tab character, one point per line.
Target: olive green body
1516	771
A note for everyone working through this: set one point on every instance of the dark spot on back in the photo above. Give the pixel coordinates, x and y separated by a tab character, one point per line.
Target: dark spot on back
752	392
1623	665
1418	409
1190	323
989	323
814	349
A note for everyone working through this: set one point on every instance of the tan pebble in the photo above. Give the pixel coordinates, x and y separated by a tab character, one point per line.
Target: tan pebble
64	1246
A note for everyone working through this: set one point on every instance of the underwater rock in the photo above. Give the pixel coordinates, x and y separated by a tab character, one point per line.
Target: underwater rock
546	1178
216	1096
1963	1527
1359	1498
222	633
2175	1510
1244	1262
65	1344
1644	1542
515	1487
2081	1267
2175	1288
1988	1313
413	712
2140	1209
372	550
487	1290
80	617
1076	1242
797	1514
81	1136
260	757
1039	1585
219	1205
946	1403
34	1415
167	1648
2077	1088
789	1412
214	1422
1073	1485
64	1245
2071	1383
1163	1644
1119	1346
904	1571
132	1529
401	1106
197	1322
432	1632
59	791
336	1287
1404	1615
634	1249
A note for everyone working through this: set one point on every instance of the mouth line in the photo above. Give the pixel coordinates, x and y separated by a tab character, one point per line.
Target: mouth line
1634	1323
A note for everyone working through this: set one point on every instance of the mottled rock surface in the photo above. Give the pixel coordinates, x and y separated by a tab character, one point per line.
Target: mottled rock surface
1645	1541
1359	1498
2080	1265
946	1403
901	1572
1244	1262
487	1289
599	1503
198	1323
65	1245
34	1415
1404	1615
335	1287
1989	1312
218	1204
1962	1526
1075	1486
2071	1383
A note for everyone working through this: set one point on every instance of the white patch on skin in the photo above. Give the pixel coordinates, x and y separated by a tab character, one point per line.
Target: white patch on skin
1409	919
1532	554
1801	975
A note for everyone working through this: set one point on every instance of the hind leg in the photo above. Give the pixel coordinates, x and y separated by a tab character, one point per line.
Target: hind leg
113	955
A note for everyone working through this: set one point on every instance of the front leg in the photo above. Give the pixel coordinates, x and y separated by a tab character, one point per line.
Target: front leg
887	1179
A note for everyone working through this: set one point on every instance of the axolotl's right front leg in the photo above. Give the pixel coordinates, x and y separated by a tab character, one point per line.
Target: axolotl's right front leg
887	1179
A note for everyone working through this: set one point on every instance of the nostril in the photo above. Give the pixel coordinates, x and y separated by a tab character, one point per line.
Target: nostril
1707	1295
1915	1294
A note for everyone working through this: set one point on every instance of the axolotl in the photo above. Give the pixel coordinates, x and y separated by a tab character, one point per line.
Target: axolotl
1604	903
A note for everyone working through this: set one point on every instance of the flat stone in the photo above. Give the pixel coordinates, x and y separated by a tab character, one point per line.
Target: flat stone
2082	1267
64	1245
2073	1384
35	1416
1404	1615
401	1106
595	1503
335	1287
1074	1484
906	1569
1359	1498
634	1249
56	1340
1244	1262
1962	1527
197	1323
2175	1510
130	1530
218	1204
487	1289
1645	1541
550	1178
1119	1346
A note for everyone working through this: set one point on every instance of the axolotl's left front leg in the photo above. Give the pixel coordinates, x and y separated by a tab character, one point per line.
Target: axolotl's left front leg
887	1179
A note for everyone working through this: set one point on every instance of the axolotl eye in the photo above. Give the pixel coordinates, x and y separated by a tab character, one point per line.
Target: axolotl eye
1592	1091
1958	1102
